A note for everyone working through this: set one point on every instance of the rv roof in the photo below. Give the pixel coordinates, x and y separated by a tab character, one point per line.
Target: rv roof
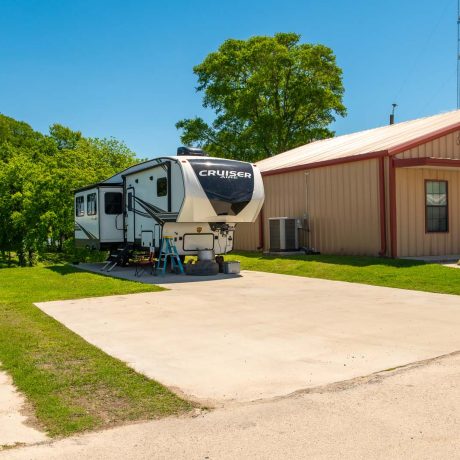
151	163
137	167
98	184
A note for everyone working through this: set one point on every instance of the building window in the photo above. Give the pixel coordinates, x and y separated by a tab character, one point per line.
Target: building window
91	207
80	206
437	215
113	203
162	186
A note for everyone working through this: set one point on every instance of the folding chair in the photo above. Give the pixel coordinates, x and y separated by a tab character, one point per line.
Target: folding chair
143	262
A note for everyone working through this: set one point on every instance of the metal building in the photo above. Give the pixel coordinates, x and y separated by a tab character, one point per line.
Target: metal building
392	191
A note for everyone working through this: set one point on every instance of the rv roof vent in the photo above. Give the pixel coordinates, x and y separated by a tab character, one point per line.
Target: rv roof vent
193	151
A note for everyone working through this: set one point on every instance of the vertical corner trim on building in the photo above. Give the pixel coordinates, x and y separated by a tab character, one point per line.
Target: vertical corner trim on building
383	220
393	229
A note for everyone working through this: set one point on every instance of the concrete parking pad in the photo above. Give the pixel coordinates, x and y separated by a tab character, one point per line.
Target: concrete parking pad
263	335
13	423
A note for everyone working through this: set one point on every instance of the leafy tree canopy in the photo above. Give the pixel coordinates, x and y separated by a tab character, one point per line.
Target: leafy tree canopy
269	94
38	174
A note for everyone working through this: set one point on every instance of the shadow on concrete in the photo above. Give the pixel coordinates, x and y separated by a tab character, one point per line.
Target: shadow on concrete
128	273
354	261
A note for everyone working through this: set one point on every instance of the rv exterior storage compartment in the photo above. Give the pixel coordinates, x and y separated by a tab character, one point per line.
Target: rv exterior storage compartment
232	267
198	241
283	234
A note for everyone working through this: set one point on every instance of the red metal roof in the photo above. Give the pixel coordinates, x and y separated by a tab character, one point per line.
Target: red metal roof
385	140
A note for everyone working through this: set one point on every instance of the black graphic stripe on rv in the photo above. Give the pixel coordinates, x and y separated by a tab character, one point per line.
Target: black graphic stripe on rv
86	232
155	209
149	213
142	214
157	213
152	207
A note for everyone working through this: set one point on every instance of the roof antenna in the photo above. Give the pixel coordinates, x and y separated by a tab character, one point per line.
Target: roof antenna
392	115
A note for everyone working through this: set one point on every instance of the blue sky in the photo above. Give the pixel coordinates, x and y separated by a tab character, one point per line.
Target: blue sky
124	68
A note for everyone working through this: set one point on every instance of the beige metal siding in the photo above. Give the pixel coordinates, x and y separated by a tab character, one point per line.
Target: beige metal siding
410	204
444	147
247	236
342	203
284	197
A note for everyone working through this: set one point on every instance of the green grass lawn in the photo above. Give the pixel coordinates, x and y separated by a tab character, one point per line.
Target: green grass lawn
72	385
397	273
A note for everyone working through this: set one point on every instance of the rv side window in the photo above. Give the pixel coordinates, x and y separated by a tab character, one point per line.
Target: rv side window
91	208
80	206
130	201
162	186
112	203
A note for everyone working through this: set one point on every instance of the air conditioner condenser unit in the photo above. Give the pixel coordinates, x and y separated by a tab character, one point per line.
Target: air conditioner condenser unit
284	234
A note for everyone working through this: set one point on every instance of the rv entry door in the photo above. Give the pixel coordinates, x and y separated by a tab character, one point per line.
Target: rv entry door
130	215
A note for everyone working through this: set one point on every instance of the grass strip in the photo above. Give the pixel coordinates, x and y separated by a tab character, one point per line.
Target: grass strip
396	273
72	385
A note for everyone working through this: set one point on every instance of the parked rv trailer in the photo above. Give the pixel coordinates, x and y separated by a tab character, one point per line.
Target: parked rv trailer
195	199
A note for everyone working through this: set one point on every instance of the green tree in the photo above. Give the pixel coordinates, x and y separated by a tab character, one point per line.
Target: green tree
64	137
38	174
270	94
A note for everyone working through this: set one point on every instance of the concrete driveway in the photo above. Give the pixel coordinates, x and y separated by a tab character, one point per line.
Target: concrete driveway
15	423
410	413
263	335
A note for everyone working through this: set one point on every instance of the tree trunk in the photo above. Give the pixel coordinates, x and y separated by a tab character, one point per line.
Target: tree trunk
60	242
21	257
32	257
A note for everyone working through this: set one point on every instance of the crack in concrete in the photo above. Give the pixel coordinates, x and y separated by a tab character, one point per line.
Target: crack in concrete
375	377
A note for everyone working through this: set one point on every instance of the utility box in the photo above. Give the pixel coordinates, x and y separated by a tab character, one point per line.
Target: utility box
232	267
284	234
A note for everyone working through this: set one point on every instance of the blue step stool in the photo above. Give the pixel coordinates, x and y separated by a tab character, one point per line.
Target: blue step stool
168	249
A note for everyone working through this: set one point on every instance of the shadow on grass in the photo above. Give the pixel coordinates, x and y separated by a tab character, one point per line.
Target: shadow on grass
4	264
68	269
354	261
63	269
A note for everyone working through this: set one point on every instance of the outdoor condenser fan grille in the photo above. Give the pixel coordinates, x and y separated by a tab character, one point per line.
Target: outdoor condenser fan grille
283	234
